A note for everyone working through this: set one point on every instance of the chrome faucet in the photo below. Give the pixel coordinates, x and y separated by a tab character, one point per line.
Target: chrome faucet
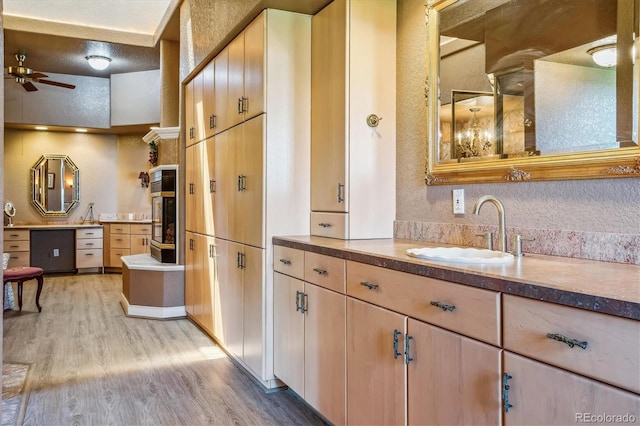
502	229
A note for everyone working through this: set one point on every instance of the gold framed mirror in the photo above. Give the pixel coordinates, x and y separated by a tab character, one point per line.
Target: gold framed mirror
55	183
514	92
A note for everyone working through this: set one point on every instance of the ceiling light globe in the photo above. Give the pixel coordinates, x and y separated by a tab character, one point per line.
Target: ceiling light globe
98	62
605	56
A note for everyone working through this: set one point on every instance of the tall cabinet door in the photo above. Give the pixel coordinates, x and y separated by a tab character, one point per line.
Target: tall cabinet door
236	81
252	305
544	395
198	107
288	332
208	282
228	307
193	275
250	166
193	187
328	111
460	375
235	215
221	90
325	352
208	186
222	186
375	378
254	67
208	99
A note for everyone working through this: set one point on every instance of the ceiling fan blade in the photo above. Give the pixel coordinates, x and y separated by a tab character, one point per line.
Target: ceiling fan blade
29	86
37	75
56	83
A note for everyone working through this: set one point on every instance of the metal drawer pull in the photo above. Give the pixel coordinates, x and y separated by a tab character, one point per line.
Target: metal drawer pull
285	261
15	235
88	254
89	244
407	358
369	285
298	293
324	225
568	341
14	246
320	271
89	233
505	392
396	333
304	308
443	306
340	192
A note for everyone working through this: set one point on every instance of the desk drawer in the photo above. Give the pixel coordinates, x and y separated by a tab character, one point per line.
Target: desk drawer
89	258
141	228
611	352
288	261
466	310
325	271
119	241
88	233
19	258
333	225
120	228
16	234
89	244
15	246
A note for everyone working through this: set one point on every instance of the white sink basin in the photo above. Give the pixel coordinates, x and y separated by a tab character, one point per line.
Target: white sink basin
458	254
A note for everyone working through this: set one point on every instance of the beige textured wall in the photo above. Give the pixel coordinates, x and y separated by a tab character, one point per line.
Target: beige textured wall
598	205
170	81
109	168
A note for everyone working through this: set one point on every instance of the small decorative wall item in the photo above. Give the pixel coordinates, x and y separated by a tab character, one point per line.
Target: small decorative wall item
144	179
153	154
51	180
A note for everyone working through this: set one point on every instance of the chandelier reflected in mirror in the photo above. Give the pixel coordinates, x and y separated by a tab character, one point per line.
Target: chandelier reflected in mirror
475	141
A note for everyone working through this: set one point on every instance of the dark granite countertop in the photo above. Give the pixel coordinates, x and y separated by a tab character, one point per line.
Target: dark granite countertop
610	288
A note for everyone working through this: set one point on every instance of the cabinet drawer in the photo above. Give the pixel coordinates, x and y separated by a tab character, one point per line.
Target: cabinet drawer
88	233
16	245
119	241
288	261
140	228
325	271
19	258
612	343
333	225
16	234
114	257
466	310
120	228
95	243
90	258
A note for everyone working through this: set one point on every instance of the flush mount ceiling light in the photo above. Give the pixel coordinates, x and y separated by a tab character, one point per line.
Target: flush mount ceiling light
605	55
98	62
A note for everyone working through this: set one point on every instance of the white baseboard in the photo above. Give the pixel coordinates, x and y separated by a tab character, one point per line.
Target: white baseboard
162	312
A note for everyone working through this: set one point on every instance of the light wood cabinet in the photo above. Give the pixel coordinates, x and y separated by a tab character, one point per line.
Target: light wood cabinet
194	188
194	109
124	239
140	242
89	248
16	243
255	176
544	395
208	100
200	279
353	78
309	344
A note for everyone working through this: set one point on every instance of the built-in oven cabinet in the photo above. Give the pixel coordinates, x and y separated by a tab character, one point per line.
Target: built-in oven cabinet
164	213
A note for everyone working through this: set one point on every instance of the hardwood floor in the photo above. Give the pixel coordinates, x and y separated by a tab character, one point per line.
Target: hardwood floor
94	366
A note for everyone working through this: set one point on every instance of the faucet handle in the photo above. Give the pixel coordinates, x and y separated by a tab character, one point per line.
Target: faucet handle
488	236
517	244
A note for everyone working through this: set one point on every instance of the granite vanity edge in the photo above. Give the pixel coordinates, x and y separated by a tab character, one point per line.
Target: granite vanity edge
606	305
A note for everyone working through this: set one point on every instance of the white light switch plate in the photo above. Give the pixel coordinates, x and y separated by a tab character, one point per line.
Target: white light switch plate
458	201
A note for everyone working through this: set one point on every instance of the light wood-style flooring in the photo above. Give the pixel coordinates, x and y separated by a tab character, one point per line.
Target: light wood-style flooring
92	365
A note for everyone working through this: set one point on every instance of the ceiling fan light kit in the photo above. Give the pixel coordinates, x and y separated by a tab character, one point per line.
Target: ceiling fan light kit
98	62
26	76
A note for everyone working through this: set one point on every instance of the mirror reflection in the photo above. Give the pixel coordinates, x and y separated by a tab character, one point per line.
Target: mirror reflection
520	79
54	189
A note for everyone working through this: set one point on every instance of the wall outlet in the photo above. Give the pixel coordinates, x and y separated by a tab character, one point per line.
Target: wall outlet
458	201
56	252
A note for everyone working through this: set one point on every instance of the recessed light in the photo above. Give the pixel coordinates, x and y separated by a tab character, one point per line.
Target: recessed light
81	130
42	128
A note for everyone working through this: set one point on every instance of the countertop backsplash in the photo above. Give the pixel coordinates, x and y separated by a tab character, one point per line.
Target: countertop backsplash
606	247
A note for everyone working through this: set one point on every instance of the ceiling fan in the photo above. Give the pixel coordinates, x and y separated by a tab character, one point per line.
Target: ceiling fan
26	76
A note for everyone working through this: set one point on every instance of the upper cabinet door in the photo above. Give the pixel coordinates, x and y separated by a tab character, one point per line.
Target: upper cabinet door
189	113
254	51
198	107
236	98
208	99
328	112
221	89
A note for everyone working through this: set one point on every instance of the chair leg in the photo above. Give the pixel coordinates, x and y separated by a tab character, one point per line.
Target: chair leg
40	282
20	294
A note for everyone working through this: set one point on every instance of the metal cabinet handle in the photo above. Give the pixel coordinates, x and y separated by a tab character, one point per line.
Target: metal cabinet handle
212	121
285	261
298	293
241	260
89	233
407	358
570	342
324	225
340	192
242	182
89	244
369	285
212	186
396	333
88	254
505	392
14	246
304	303
320	271
443	306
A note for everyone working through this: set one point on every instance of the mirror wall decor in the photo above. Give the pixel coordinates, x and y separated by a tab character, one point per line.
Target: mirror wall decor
532	90
55	185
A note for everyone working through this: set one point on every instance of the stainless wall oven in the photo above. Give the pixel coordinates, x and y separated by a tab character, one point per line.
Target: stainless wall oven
164	213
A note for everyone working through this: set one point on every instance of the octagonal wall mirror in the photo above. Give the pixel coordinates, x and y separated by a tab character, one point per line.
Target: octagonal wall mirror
514	92
55	185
